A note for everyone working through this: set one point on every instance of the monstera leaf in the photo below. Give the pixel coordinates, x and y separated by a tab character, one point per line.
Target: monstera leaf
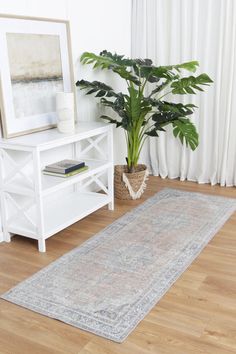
97	87
189	85
115	62
186	132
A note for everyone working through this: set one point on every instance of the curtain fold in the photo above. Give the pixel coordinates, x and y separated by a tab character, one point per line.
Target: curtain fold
175	31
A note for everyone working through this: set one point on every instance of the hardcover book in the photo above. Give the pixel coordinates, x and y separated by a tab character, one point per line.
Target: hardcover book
64	175
65	166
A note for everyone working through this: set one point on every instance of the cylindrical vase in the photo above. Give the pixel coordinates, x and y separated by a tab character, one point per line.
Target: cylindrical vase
65	112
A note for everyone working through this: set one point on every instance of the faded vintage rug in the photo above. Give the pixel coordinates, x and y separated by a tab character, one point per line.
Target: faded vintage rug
107	285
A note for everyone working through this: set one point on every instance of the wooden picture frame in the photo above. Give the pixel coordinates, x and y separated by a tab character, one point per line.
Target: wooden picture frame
35	63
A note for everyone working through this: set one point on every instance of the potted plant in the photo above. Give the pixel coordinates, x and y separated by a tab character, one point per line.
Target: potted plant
141	113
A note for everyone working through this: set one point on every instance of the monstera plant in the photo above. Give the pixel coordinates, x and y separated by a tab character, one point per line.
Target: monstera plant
144	113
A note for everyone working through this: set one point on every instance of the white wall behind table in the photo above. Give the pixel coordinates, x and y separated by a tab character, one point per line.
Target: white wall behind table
95	25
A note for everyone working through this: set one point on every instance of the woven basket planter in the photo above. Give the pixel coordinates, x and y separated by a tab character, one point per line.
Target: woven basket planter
130	185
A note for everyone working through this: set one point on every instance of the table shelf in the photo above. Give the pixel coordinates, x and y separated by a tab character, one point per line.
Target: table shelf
51	184
36	205
60	213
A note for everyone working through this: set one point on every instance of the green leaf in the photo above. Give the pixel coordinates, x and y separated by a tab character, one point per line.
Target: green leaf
106	102
114	62
204	79
146	71
97	60
179	108
190	66
127	75
189	84
96	86
160	87
101	93
134	103
186	131
111	120
118	107
190	105
142	62
119	60
152	133
174	113
91	91
198	88
189	90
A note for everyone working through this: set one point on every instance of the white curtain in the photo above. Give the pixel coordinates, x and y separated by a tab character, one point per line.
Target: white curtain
175	31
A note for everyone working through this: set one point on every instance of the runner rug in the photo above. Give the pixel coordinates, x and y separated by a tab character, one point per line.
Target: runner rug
110	283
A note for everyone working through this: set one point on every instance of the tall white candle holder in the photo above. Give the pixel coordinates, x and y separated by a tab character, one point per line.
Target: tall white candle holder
65	112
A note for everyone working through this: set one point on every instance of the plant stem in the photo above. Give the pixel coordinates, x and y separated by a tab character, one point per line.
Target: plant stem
159	98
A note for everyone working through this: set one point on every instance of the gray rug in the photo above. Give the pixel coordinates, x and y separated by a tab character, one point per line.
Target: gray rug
107	285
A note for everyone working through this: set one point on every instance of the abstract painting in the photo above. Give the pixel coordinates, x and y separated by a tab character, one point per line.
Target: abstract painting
35	64
36	72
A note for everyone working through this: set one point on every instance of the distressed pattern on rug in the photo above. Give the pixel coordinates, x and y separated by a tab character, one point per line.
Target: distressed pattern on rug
107	285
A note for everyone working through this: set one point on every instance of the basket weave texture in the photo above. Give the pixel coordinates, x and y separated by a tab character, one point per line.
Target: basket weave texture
135	179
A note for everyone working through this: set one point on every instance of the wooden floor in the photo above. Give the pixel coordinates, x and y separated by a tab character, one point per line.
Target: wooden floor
197	315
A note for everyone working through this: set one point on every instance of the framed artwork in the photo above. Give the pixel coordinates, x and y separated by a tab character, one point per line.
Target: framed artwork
35	64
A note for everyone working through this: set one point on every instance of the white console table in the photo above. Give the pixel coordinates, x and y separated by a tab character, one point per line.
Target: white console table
38	206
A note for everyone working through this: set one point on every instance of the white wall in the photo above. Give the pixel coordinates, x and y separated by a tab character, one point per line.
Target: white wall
95	25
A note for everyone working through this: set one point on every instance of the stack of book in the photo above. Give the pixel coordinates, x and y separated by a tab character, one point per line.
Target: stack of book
65	168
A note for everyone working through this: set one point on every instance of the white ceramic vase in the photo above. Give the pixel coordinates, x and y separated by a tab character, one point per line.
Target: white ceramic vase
65	112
